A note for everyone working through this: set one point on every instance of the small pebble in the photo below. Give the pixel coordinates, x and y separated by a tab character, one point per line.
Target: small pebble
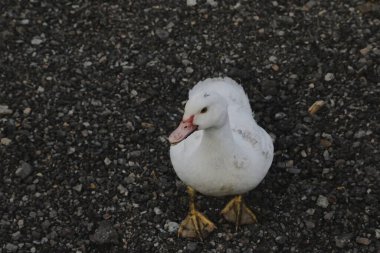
162	34
20	223
275	67
71	150
365	51
192	246
359	134
273	59
289	164
78	188
27	111
377	233
342	241
280	239
11	247
36	41
5	141
16	236
157	211
122	190
24	170
4	110
309	224
279	115
213	3
172	226
328	215
329	77
87	64
40	89
322	201
107	161
191	2
105	233
363	240
189	70
24	22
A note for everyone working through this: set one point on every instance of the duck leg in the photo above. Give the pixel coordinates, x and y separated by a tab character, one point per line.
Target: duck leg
236	211
195	224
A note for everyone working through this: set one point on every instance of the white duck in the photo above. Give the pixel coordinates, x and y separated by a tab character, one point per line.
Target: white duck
218	149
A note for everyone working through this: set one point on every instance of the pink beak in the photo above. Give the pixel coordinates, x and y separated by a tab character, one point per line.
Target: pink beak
184	129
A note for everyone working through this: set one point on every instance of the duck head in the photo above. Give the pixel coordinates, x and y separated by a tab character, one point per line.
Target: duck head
202	111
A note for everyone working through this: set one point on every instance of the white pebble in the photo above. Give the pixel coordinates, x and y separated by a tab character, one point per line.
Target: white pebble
191	2
273	59
172	226
157	211
36	41
322	201
107	161
189	70
213	3
329	77
27	111
40	89
5	141
87	64
5	110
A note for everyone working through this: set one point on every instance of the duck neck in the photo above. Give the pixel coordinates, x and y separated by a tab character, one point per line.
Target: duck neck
220	137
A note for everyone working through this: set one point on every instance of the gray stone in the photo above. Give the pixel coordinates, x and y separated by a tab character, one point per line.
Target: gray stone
11	247
281	239
342	240
157	211
87	64
134	154
191	2
71	150
189	70
328	215
329	77
78	188
359	134
162	34
310	224
377	233
322	201
172	226
273	59
24	170
213	3
363	240
105	233
4	110
5	141
192	246
36	41
45	224
16	236
279	115
122	190
107	161
130	179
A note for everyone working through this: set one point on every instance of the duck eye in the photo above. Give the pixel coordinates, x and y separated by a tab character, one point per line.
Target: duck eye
204	110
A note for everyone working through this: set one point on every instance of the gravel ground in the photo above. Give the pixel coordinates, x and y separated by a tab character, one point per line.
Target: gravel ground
90	90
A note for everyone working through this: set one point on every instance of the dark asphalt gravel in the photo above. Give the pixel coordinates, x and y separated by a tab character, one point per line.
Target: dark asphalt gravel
89	91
